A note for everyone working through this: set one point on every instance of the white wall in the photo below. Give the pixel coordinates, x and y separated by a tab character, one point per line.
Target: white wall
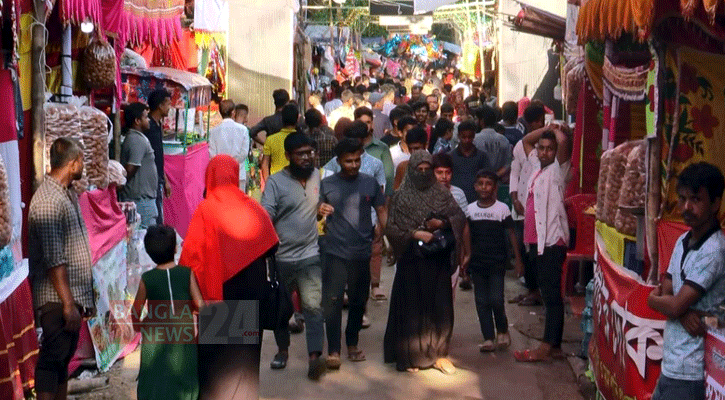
523	58
261	35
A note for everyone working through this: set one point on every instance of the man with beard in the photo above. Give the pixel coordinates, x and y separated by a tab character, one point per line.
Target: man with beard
345	200
60	267
137	157
159	106
290	197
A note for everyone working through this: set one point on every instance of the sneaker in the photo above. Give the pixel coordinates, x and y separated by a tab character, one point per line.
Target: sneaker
279	361
318	366
503	341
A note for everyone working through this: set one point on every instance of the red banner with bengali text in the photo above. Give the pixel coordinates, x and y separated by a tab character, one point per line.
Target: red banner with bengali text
715	365
626	347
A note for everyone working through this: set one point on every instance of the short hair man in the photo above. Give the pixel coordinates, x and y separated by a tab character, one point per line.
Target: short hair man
231	138
394	135
137	157
447	111
348	247
494	144
467	160
273	158
509	112
346	110
433	106
323	136
290	197
693	286
533	119
241	114
60	267
271	124
159	107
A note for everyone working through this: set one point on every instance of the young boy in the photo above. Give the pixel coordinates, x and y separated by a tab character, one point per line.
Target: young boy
490	225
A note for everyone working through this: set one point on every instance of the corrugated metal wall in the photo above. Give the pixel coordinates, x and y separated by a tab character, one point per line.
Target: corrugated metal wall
260	53
523	58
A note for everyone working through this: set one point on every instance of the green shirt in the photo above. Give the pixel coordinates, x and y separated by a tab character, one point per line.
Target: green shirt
381	151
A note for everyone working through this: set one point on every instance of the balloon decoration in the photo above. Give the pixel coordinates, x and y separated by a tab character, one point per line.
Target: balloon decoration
424	47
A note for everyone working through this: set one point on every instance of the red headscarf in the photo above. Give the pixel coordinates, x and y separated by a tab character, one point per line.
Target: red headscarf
228	231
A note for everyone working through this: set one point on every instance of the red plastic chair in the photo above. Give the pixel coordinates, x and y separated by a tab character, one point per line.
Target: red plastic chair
584	244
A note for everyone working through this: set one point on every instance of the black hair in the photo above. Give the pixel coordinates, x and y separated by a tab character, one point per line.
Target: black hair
360	111
157	97
509	112
418	105
348	145
549	135
160	243
447	108
297	139
281	97
399	112
290	115
226	107
360	89
448	87
357	130
533	113
131	113
406	120
487	116
442	160
485	173
64	150
467	126
702	174
241	107
313	118
416	135
499	128
439	130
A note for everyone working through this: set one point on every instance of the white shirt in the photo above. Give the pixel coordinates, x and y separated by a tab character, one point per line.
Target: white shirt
551	220
521	170
398	155
231	138
460	198
332	105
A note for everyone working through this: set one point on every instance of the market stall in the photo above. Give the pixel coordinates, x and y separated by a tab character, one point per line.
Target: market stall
186	153
661	80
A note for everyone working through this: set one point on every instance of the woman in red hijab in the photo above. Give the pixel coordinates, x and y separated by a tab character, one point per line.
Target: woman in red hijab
229	238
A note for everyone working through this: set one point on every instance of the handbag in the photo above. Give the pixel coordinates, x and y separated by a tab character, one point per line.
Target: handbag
443	241
275	308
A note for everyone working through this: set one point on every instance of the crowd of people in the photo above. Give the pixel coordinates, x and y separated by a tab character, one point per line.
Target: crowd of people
452	188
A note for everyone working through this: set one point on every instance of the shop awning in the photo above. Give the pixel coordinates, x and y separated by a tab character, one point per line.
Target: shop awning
538	22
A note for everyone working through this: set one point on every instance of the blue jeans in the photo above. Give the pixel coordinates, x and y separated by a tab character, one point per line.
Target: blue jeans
306	275
148	211
676	389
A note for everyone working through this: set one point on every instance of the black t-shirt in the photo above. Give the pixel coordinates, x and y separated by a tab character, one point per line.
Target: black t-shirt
390	140
155	134
488	236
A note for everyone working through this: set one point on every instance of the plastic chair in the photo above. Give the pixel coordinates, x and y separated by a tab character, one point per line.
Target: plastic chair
584	244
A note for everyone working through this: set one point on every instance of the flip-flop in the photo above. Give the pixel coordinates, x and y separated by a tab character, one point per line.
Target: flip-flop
356	356
517	299
526	356
333	362
378	296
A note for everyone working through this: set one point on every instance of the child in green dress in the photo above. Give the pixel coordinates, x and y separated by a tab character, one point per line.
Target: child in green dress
171	295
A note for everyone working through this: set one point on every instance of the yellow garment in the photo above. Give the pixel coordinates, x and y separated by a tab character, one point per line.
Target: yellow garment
613	241
274	148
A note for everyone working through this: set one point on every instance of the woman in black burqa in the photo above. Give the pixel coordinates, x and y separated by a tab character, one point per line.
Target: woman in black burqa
420	322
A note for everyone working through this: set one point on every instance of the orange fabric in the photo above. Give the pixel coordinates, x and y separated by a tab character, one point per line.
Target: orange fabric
228	231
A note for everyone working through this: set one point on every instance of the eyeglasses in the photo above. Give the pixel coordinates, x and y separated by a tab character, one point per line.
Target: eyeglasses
304	154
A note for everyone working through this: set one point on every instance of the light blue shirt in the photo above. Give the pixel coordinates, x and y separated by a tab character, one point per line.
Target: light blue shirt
702	267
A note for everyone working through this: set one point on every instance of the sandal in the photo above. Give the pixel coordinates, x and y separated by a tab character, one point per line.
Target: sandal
518	299
445	365
527	356
487	347
356	356
333	362
376	294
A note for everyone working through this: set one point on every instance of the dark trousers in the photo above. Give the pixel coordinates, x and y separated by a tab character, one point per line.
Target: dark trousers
160	202
676	389
338	273
488	293
56	349
530	279
548	267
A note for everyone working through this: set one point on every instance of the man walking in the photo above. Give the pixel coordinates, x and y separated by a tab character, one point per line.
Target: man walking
271	124
60	266
693	286
290	198
345	200
231	138
273	154
159	106
137	157
494	144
